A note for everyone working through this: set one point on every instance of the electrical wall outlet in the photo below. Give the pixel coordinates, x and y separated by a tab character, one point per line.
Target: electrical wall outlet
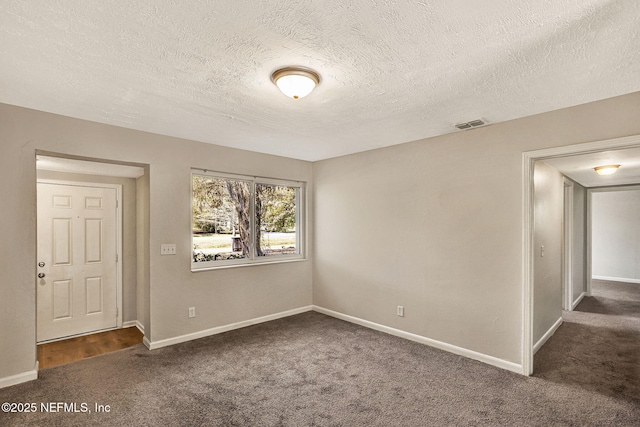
167	249
400	311
192	312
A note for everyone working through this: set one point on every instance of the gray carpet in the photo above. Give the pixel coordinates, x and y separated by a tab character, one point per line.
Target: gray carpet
598	346
313	370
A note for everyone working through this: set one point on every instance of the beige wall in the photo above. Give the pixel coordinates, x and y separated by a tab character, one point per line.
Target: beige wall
436	226
615	225
221	297
547	231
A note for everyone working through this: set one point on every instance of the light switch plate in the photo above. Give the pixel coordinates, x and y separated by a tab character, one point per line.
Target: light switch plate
167	249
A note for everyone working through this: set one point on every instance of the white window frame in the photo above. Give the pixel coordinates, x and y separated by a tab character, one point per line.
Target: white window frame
300	187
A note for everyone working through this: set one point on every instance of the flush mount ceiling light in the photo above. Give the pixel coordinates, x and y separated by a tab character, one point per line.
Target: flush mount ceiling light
295	82
606	170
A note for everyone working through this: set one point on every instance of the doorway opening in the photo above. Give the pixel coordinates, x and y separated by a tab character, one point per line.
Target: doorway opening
79	232
91	252
530	252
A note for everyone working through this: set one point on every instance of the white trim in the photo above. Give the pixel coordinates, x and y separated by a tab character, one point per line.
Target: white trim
119	235
527	227
527	263
613	188
589	247
20	378
500	363
590	275
616	279
152	345
587	147
547	335
285	259
567	245
231	175
140	327
578	300
84	334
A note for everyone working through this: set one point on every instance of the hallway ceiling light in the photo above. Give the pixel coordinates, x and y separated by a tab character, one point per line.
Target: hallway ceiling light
295	82
606	170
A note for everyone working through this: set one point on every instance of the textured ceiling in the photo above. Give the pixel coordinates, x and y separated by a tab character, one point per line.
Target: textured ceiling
580	167
392	71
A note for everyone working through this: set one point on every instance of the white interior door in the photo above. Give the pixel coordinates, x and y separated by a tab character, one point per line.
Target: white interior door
77	267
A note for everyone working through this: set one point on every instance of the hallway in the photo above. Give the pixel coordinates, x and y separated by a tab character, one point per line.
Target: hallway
597	348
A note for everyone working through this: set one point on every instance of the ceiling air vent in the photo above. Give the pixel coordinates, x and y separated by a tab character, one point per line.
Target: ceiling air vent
472	124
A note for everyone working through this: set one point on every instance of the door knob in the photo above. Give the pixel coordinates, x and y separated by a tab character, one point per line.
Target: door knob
40	275
41	264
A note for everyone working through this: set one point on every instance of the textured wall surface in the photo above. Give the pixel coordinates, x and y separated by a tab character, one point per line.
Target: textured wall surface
168	287
392	71
547	262
436	226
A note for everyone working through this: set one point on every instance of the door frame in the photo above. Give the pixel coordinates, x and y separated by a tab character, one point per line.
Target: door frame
567	246
589	223
118	189
528	252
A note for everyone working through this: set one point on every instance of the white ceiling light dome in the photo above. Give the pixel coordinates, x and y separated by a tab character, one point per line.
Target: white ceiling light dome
295	82
606	170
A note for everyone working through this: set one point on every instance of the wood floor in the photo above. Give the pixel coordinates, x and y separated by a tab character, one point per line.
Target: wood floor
65	351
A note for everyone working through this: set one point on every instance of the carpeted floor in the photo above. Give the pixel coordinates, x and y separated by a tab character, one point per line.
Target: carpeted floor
313	370
598	346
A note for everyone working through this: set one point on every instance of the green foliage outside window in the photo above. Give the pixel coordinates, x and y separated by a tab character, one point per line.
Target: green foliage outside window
222	222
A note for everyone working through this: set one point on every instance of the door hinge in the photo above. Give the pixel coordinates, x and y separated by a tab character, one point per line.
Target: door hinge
117	257
117	311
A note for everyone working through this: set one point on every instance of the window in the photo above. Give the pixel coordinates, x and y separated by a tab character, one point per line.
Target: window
244	220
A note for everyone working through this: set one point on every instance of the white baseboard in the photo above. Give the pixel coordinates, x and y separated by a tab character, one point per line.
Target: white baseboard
547	335
20	378
616	279
500	363
152	345
577	301
140	327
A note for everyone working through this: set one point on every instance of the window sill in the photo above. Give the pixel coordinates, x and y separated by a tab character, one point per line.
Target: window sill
247	264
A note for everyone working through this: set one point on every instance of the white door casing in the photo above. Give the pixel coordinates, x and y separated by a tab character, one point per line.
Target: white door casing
77	259
528	251
567	247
